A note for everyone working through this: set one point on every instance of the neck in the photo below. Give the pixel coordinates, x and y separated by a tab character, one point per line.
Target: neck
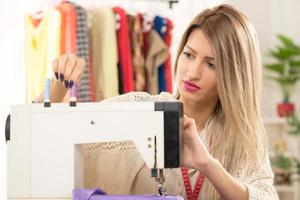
200	112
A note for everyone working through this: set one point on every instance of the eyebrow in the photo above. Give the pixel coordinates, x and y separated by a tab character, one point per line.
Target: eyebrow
207	57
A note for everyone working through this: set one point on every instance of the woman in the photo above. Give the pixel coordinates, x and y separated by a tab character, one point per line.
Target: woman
218	76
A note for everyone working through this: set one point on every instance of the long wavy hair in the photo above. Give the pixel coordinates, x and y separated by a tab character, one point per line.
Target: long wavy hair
235	132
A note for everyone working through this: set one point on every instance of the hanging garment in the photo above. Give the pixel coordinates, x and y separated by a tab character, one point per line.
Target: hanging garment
93	97
124	50
42	46
68	28
147	26
160	25
136	42
104	52
82	50
157	54
168	66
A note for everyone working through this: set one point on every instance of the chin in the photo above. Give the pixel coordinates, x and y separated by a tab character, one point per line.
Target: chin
187	95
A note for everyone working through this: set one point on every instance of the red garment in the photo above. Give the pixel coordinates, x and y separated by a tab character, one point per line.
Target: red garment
168	70
124	51
68	27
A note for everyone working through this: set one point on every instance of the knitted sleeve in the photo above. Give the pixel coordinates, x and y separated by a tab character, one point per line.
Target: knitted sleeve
259	181
141	96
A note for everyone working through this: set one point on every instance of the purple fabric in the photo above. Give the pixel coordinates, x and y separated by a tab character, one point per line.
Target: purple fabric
97	194
86	194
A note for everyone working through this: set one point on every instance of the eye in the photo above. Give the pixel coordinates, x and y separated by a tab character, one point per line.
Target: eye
210	65
187	54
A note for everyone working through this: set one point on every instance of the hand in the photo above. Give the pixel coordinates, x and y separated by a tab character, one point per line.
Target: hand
194	154
68	68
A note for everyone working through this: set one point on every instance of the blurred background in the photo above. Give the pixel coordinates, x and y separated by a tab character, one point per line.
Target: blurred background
277	25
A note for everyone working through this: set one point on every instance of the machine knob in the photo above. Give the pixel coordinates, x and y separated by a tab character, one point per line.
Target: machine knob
7	128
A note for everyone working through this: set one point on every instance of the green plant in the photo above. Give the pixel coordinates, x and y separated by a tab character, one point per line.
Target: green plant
286	68
284	165
296	169
294	124
283	162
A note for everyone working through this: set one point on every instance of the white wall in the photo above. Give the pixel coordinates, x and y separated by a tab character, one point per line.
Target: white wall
270	18
11	67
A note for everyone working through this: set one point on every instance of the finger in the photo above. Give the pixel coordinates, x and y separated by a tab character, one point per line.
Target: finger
189	123
81	69
77	72
186	121
70	67
62	66
55	68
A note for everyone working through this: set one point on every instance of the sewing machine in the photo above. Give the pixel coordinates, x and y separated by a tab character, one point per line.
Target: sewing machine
43	141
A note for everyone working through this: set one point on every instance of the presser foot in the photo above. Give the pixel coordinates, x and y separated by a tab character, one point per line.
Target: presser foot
160	179
162	190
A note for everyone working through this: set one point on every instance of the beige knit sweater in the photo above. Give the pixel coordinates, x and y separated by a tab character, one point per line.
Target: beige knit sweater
117	168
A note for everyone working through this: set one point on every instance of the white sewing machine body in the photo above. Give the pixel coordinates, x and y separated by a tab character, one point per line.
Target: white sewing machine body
44	160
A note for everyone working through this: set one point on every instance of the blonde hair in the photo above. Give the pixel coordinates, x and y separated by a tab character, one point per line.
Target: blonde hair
235	132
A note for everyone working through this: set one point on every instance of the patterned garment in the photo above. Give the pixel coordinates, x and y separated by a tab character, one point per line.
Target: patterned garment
136	42
82	51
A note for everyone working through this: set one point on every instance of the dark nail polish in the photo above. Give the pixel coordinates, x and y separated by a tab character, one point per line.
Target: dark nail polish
56	75
61	76
66	83
71	84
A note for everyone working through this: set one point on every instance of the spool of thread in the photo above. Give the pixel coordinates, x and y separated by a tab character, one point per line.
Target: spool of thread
47	93
73	95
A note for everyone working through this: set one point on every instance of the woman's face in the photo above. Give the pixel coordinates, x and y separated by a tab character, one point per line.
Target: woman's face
196	76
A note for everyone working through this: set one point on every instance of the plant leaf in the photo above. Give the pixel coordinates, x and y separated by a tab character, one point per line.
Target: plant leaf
286	80
288	42
294	63
282	54
283	162
275	67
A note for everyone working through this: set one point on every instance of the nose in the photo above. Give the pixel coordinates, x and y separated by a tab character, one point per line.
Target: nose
195	70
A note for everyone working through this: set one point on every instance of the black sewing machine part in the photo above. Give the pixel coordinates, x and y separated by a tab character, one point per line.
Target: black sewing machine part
7	128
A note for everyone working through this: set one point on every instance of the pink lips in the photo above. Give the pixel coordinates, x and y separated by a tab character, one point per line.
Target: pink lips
190	86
